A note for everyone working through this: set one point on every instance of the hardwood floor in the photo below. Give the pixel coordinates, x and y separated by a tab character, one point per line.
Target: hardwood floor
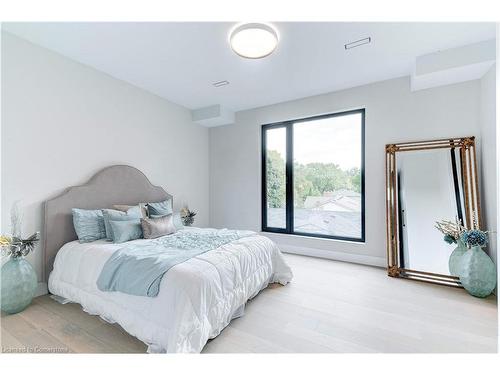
329	307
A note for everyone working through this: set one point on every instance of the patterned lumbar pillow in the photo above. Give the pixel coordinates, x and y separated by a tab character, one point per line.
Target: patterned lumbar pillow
176	217
153	227
89	224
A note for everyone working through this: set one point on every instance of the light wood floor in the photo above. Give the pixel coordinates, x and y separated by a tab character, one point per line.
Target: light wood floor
329	307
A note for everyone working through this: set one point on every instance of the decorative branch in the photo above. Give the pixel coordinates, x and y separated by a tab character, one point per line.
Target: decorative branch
451	230
16	246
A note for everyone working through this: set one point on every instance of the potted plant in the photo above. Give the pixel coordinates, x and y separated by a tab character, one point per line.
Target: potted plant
187	216
18	278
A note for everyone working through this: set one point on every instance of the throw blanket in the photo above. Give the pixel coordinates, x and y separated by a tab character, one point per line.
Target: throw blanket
138	268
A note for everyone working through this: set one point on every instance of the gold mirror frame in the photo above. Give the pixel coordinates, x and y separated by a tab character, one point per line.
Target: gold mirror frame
470	188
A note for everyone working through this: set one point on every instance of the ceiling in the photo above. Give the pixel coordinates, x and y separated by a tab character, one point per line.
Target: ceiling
180	61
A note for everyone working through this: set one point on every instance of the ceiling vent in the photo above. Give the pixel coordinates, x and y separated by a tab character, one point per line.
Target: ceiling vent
357	43
220	83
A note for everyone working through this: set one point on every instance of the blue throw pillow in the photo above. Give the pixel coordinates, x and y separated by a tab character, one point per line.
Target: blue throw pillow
160	208
89	224
126	230
108	214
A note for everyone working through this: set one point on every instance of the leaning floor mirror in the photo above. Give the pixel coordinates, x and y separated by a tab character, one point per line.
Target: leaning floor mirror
428	182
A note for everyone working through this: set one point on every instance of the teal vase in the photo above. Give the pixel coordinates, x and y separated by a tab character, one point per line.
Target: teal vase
19	283
477	272
456	258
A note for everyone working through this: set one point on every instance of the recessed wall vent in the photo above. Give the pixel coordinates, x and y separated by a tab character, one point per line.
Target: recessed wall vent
358	43
220	83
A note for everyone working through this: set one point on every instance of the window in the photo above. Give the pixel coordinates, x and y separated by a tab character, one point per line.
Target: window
313	176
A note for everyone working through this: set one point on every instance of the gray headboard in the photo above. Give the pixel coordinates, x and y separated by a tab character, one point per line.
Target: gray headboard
118	184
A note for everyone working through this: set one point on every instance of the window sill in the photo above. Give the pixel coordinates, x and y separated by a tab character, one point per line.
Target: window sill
327	248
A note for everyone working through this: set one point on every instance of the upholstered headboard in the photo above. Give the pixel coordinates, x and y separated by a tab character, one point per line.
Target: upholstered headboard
118	184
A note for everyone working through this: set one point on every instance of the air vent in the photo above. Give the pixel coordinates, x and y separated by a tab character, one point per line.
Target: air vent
357	43
220	83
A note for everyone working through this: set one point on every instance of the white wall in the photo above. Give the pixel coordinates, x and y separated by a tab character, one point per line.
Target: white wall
63	121
488	157
393	114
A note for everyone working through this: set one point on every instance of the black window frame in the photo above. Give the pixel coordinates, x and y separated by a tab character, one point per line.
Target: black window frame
288	125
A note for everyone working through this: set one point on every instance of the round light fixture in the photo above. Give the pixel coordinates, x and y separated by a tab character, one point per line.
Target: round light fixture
253	40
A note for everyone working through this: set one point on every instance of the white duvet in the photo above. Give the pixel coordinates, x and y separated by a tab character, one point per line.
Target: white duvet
197	298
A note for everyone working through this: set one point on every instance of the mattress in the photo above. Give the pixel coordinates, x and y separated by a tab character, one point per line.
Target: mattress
197	298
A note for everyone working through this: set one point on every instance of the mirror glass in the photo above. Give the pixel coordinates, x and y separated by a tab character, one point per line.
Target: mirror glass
429	187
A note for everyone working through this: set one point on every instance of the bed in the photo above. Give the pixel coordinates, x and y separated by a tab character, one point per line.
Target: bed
197	299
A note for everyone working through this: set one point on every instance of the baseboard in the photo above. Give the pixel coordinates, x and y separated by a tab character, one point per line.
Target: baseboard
335	255
41	289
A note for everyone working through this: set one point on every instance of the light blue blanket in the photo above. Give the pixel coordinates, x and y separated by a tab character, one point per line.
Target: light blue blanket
138	268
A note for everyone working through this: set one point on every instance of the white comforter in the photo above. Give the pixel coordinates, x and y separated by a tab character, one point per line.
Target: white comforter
197	298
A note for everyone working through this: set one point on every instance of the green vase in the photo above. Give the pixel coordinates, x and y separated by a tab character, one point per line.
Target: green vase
477	272
19	283
456	258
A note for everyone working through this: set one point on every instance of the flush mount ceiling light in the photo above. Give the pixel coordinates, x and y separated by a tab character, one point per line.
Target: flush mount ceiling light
253	40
